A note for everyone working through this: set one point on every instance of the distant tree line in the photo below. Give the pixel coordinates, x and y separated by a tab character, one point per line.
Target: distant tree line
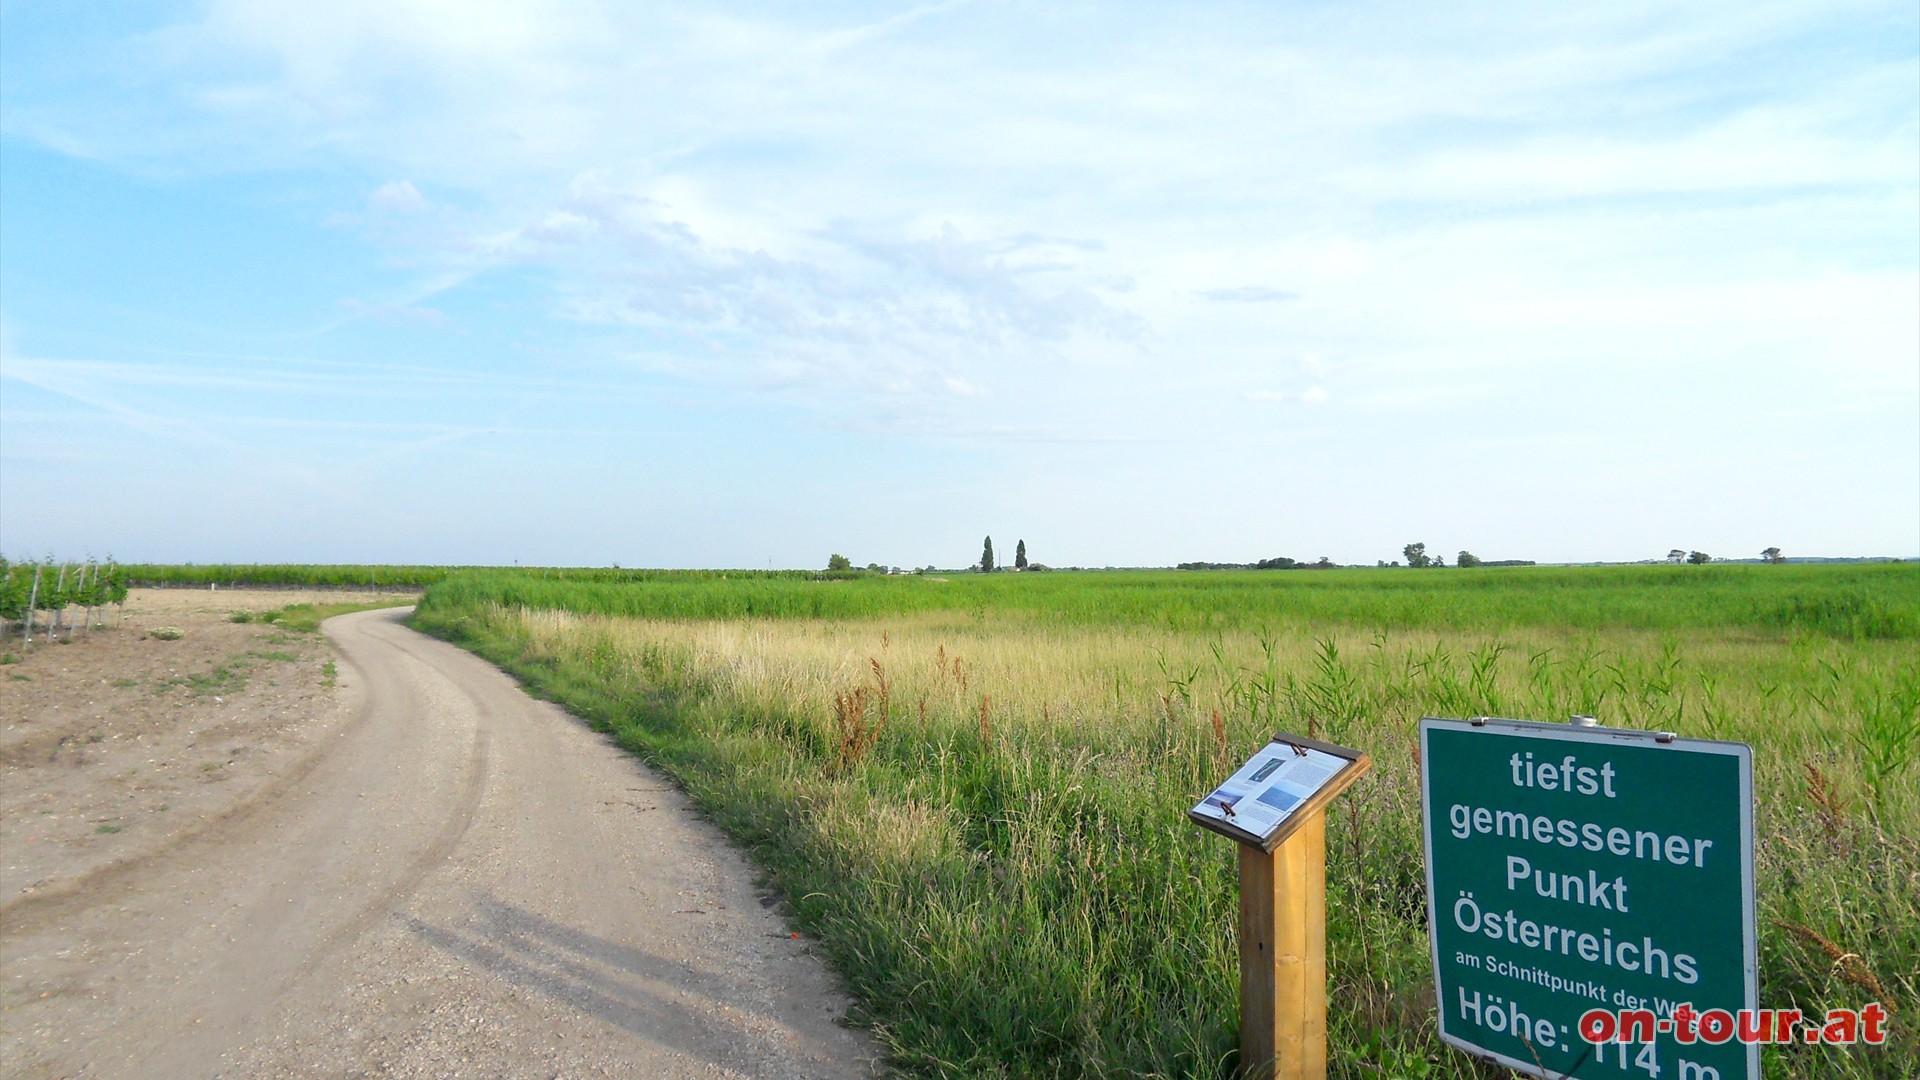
1772	556
1280	563
1418	559
838	564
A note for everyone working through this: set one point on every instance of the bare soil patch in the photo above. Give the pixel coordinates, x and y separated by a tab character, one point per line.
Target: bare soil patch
116	745
437	876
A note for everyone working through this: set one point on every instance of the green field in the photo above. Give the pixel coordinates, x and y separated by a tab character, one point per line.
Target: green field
972	789
1878	600
286	575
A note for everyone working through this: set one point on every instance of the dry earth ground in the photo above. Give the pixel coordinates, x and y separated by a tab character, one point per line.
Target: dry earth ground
115	745
221	861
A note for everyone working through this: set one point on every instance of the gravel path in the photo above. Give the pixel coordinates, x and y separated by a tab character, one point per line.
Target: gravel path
465	882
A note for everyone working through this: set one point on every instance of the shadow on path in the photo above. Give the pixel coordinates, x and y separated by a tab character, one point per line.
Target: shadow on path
657	999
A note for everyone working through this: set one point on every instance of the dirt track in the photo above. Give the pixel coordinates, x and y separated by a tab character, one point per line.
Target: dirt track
455	880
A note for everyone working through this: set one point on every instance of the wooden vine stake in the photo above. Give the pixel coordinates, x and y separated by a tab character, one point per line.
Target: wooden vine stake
1274	806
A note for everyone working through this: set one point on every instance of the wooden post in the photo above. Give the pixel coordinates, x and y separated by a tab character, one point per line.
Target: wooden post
26	636
1283	897
1283	956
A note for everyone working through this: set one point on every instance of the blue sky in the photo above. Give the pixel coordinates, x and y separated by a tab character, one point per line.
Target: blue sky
743	285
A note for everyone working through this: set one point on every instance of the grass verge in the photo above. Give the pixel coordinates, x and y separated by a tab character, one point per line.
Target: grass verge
982	819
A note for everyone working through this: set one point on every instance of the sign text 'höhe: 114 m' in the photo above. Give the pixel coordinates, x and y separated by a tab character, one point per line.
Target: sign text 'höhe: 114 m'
1577	868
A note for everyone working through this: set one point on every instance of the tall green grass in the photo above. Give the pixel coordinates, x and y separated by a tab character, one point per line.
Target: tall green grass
1003	871
1848	601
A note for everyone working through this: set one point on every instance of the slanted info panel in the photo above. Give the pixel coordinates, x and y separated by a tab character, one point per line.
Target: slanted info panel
1289	779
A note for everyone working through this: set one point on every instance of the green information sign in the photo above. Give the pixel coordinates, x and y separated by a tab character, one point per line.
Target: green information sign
1579	868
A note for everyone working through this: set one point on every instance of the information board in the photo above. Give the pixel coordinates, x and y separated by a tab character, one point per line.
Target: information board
1571	869
1288	779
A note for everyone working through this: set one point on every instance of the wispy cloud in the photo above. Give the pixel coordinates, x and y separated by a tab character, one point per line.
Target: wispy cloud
56	379
1312	395
962	224
394	314
1248	294
397	196
848	307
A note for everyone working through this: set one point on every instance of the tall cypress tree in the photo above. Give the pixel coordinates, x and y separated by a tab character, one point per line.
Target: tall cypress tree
986	557
1020	556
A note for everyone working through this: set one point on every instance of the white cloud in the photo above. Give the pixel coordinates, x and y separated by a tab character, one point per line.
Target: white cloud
1248	294
394	314
1076	226
398	196
1312	395
838	308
